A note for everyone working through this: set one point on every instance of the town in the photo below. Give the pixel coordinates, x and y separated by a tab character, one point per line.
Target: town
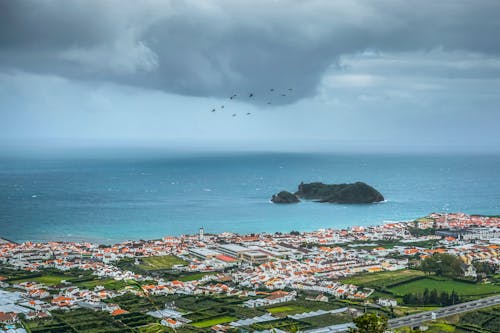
296	281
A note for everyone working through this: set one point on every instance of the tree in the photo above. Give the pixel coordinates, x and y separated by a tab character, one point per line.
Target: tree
484	267
370	323
442	264
426	295
433	296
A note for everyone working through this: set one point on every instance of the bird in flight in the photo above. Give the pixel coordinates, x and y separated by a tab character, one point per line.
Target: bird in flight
268	103
251	95
234	114
233	96
222	106
213	110
290	89
283	94
248	113
272	89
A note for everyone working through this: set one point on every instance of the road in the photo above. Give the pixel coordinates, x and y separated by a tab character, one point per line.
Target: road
419	318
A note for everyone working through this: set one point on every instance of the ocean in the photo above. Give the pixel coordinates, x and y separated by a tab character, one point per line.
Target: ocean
130	196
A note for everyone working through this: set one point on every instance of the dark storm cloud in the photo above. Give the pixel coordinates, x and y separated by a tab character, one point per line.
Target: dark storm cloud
215	48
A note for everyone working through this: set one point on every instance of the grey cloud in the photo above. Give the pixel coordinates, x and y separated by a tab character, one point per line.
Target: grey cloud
215	48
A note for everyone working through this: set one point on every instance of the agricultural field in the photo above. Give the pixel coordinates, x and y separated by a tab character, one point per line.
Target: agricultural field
152	328
381	280
48	279
287	310
448	285
285	324
109	284
327	319
133	303
81	320
89	282
213	321
160	262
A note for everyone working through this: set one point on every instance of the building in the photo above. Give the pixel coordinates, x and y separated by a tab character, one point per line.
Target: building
387	302
232	250
8	318
258	257
468	270
170	322
203	253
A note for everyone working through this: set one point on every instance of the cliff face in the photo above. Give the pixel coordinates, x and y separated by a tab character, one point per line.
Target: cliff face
284	197
354	193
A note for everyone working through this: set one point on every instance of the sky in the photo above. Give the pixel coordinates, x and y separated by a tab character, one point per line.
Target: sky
389	75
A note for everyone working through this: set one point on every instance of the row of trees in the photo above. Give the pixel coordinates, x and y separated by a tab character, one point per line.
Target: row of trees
432	297
443	264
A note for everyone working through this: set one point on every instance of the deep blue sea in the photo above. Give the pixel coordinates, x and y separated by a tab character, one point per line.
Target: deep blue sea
108	199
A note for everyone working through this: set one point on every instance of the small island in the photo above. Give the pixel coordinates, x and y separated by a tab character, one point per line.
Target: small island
284	197
354	193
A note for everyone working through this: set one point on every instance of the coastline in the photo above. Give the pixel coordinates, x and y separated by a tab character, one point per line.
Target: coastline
98	241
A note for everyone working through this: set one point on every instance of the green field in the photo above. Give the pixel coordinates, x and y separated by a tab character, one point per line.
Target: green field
287	309
213	321
80	320
91	283
160	262
48	280
462	288
383	279
109	284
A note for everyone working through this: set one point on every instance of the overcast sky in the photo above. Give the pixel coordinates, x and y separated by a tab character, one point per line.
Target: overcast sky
365	75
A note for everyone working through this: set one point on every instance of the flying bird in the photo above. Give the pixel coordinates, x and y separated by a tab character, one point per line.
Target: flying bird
251	95
290	89
272	89
268	103
283	94
248	113
233	96
234	114
222	106
213	110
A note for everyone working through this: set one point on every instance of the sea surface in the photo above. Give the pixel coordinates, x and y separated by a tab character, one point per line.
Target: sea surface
109	199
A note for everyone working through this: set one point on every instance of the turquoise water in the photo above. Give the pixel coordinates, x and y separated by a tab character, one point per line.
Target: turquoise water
111	199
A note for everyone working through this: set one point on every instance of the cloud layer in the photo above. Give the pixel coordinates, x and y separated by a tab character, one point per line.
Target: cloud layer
216	48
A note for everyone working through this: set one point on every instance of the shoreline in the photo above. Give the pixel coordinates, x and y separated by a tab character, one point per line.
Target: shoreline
111	242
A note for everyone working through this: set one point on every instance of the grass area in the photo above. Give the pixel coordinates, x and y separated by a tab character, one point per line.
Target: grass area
408	310
193	276
448	285
160	262
48	279
287	309
383	279
213	321
88	283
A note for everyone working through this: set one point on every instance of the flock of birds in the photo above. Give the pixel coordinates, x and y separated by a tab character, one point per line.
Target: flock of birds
272	92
